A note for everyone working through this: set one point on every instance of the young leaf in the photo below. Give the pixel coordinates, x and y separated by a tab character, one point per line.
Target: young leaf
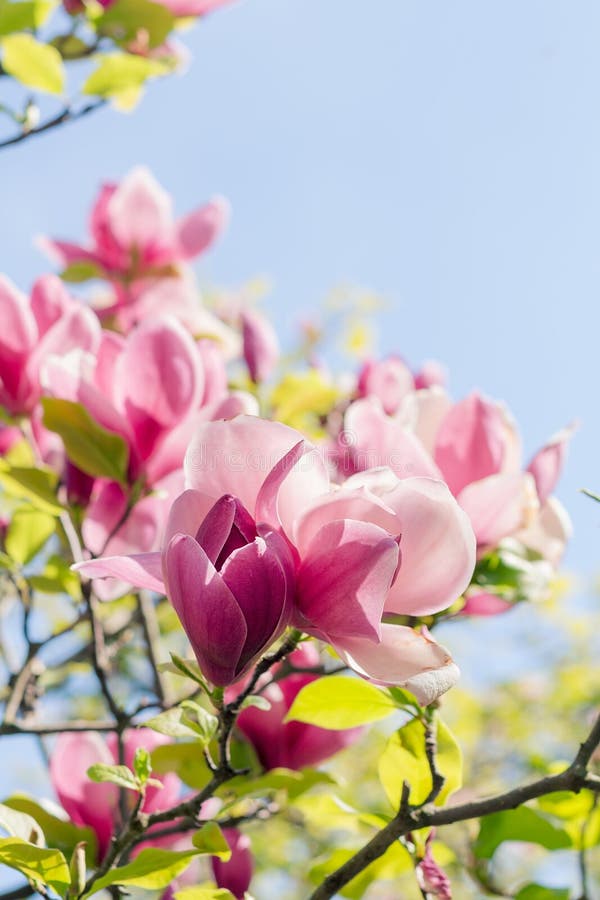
59	833
120	775
449	761
28	15
203	723
95	450
28	483
338	702
203	893
142	765
123	20
170	723
120	72
152	869
27	533
33	63
404	759
538	892
21	825
257	701
210	839
83	270
522	824
37	863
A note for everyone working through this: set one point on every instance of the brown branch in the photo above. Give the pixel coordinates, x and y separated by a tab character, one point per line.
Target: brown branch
149	622
573	779
67	115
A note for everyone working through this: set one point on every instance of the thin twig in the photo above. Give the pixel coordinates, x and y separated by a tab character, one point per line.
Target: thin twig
67	115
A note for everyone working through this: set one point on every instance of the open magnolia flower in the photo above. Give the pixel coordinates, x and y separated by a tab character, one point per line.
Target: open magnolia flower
261	539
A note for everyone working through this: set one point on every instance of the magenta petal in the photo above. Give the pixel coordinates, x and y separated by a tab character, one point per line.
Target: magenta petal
86	802
345	577
49	301
266	502
144	570
187	513
207	609
404	657
258	582
235	874
472	442
198	230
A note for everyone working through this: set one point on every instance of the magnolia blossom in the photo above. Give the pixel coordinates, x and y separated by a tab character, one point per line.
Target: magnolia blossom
474	447
343	544
291	745
33	329
97	805
235	874
391	381
261	347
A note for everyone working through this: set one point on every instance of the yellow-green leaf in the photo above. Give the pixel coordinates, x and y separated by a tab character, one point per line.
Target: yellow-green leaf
27	533
33	63
30	14
152	869
120	72
38	863
210	839
95	450
449	761
338	702
28	483
404	759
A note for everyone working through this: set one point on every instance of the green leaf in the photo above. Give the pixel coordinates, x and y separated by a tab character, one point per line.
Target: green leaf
337	702
170	723
121	72
142	764
37	863
123	20
33	63
27	533
522	824
59	833
120	775
57	578
187	667
21	825
24	16
257	701
184	759
202	723
210	839
152	869
538	892
83	270
38	485
449	761
404	759
396	862
95	450
280	779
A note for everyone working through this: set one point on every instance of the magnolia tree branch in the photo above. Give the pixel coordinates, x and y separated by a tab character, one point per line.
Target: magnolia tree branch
68	114
408	819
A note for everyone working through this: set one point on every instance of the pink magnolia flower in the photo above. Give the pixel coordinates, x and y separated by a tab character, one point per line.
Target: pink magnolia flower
261	347
473	446
344	545
134	233
32	330
236	874
97	805
391	381
291	745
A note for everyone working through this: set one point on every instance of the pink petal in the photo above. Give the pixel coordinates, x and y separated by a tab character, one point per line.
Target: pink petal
473	442
423	412
208	611
344	579
49	301
549	531
64	252
86	802
235	457
372	439
261	345
482	603
143	570
187	514
160	373
389	380
139	213
257	579
499	506
437	546
19	332
404	657
199	229
548	463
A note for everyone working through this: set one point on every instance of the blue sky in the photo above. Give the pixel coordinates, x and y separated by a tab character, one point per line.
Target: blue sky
446	155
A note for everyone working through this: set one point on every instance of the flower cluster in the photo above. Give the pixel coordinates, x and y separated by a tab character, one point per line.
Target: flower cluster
358	533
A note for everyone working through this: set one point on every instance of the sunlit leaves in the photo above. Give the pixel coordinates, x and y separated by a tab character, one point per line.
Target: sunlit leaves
121	73
152	869
21	825
59	833
119	775
123	19
522	824
27	533
37	863
405	760
29	14
189	720
33	63
338	702
91	447
37	485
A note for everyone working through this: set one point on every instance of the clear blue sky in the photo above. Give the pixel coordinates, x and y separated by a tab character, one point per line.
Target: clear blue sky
446	155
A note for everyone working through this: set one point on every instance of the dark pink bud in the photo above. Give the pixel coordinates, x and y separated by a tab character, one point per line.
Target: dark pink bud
236	874
432	880
261	347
